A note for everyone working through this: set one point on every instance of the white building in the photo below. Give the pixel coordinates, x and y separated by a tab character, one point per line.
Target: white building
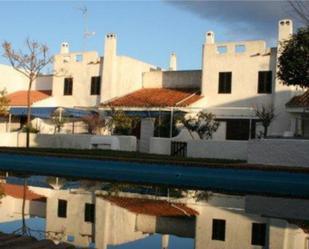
234	79
222	221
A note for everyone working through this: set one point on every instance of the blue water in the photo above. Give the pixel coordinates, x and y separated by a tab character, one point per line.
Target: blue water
230	180
154	242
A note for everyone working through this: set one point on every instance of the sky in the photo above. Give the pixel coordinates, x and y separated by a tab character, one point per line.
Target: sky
146	30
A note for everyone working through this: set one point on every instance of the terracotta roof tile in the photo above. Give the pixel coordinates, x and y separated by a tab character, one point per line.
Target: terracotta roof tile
20	98
300	100
156	97
152	207
17	191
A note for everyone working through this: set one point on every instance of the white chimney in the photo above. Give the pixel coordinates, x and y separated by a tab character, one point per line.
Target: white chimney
285	29
64	49
210	37
173	62
110	48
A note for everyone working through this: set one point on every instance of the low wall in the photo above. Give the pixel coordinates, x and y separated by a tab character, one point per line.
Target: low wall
236	150
161	146
284	152
15	139
74	141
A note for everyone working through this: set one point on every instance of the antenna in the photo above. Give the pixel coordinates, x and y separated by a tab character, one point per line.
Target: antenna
86	34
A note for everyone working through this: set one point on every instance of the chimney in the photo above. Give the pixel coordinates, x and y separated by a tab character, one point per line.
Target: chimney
210	37
110	48
173	62
109	88
285	29
64	49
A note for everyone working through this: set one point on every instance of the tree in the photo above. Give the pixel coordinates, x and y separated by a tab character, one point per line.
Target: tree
294	59
266	115
29	63
203	123
120	123
94	122
4	103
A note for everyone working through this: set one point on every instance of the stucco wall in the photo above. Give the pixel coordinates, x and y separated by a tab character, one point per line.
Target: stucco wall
203	148
129	75
14	139
66	66
217	149
285	152
172	79
14	81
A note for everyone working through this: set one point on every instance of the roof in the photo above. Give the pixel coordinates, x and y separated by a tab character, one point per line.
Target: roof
156	97
17	191
299	101
152	207
19	98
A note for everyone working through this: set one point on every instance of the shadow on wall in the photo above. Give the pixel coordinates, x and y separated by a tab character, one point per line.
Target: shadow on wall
189	79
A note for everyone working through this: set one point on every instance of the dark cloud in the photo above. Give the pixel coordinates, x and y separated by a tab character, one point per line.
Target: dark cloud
250	19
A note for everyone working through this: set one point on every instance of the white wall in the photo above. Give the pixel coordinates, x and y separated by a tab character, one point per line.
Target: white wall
217	149
14	81
66	66
283	152
74	141
245	67
236	150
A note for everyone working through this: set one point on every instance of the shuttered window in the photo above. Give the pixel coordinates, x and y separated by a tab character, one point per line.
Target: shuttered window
89	212
225	82
62	208
68	86
258	234
265	82
218	229
95	85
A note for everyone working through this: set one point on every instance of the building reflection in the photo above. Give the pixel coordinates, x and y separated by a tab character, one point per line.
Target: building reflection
86	215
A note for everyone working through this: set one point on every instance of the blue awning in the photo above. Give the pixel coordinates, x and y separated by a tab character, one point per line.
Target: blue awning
47	112
38	112
76	113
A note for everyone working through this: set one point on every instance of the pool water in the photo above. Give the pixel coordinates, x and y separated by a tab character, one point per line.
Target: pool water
104	214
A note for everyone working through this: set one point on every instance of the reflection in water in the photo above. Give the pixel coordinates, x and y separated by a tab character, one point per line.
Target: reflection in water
104	215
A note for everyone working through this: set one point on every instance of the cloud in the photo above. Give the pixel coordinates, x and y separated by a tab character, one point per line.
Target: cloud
249	19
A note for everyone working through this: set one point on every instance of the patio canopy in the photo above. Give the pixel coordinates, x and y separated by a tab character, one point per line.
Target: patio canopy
38	112
47	112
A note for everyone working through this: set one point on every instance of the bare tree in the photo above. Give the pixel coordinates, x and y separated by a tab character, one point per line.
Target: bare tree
29	63
301	9
266	115
94	123
4	103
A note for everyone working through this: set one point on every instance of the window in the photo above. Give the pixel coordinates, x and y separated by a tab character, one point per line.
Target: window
225	82
79	58
239	129
240	48
95	85
258	236
62	208
89	212
218	229
68	86
222	49
265	82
